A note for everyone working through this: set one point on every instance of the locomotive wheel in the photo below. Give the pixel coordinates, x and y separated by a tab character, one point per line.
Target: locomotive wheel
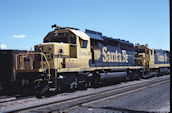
82	86
88	82
74	85
38	95
95	82
139	76
127	78
42	88
129	75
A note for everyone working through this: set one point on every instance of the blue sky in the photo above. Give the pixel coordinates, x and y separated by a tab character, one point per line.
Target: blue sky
25	23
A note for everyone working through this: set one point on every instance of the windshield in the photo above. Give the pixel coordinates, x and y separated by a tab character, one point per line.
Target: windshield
57	37
61	37
140	50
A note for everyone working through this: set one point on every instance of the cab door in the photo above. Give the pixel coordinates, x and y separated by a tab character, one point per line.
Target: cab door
84	53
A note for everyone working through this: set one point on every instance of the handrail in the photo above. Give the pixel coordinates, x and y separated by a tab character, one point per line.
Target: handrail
42	54
28	52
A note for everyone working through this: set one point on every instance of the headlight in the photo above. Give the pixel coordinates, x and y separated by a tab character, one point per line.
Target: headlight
61	51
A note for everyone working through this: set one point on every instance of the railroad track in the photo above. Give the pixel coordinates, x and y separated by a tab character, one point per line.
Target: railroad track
6	99
67	104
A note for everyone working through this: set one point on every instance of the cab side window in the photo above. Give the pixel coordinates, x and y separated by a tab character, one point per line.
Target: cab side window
83	43
73	40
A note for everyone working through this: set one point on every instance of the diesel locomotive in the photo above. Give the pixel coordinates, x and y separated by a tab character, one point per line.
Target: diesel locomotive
69	59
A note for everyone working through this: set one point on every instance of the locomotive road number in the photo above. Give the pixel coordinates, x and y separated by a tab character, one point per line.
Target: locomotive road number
83	53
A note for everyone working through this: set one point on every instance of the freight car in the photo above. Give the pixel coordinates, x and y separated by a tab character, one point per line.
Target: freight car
69	58
8	70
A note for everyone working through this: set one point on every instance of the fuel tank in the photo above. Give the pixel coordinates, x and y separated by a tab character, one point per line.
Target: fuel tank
113	76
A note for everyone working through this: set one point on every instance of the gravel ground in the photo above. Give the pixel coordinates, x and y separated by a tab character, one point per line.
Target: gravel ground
150	99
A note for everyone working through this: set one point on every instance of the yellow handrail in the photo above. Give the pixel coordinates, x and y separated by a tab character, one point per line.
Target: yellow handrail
34	53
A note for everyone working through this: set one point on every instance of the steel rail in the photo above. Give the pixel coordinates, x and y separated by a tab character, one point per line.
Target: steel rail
15	99
7	99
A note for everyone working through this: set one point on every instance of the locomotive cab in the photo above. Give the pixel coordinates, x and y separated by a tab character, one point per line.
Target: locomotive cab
71	48
63	48
145	57
143	54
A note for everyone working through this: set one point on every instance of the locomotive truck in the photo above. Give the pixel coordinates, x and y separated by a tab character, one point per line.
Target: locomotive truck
69	59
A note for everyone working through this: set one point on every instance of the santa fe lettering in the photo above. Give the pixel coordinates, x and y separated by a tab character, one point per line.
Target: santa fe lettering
114	56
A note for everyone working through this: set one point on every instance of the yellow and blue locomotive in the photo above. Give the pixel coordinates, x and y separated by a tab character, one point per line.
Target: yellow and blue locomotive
69	58
155	61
